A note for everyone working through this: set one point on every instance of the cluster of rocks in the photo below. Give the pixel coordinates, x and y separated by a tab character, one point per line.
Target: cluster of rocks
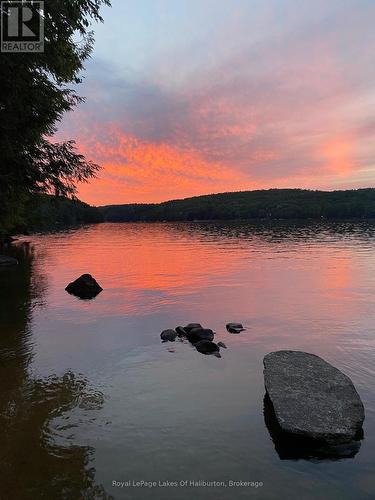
201	338
311	408
307	399
86	287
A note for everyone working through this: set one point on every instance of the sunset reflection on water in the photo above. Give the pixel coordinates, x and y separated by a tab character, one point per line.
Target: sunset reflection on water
294	286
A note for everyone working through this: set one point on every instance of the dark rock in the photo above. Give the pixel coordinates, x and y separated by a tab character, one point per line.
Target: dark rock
6	261
312	399
207	347
221	344
181	332
290	447
190	326
235	327
85	287
197	334
168	335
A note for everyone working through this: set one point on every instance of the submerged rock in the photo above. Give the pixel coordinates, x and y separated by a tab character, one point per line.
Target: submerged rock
312	399
190	326
6	261
168	335
197	334
84	287
207	347
221	344
235	327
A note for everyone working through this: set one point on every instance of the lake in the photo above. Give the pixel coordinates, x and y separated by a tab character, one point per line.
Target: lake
89	395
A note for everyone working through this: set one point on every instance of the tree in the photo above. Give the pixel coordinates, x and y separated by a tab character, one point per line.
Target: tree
36	89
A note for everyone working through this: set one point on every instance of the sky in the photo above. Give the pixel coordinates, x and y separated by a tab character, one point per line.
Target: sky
189	97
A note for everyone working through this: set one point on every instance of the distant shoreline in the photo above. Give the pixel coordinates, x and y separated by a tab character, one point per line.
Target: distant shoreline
205	221
51	213
271	204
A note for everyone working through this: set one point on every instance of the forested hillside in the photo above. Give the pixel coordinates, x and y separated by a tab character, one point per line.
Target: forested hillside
263	204
48	212
45	212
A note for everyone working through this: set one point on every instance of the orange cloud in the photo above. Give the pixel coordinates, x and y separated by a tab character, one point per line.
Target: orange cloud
292	110
140	171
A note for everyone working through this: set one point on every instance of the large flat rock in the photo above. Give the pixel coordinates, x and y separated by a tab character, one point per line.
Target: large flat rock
311	398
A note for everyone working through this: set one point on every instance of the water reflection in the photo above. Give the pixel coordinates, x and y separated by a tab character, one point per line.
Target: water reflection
166	415
32	463
277	231
289	448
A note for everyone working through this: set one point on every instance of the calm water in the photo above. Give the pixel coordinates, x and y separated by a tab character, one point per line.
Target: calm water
89	395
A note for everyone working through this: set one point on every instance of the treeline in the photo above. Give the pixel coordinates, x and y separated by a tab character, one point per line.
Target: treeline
48	212
262	204
44	212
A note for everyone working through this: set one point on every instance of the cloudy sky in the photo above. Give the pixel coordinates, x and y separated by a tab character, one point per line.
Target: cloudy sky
188	97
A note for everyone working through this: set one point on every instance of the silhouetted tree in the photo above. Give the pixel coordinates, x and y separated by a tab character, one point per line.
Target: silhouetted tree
36	89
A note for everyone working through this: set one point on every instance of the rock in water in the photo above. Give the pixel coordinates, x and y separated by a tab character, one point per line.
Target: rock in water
84	287
6	261
290	447
190	326
207	347
235	327
168	335
221	344
197	334
180	331
311	398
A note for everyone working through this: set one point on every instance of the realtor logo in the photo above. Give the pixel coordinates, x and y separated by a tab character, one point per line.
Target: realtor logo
22	26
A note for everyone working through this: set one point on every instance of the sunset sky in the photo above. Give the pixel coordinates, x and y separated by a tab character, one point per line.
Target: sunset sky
188	97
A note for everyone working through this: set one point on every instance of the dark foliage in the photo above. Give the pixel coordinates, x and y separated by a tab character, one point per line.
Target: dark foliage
36	89
46	212
264	204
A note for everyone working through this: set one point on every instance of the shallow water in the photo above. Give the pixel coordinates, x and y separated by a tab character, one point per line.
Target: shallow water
89	395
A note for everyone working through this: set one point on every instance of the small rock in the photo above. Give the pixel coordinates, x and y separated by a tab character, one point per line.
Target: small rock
207	347
181	332
221	344
197	334
235	327
84	287
190	326
311	398
168	335
6	261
